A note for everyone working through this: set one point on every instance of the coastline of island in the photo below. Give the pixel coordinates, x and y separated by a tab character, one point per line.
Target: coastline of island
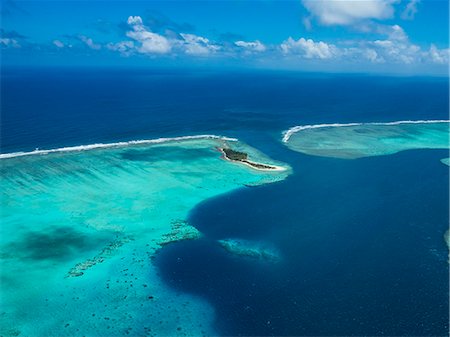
242	157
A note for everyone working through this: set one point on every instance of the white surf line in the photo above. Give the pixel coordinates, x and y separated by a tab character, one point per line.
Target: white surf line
111	145
287	134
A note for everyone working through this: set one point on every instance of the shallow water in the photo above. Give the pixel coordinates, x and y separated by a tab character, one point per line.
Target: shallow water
80	229
358	140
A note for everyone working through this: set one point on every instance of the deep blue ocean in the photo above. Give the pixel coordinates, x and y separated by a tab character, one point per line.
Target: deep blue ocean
361	240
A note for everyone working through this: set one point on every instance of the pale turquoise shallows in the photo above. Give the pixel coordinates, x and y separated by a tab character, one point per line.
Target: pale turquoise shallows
79	230
357	140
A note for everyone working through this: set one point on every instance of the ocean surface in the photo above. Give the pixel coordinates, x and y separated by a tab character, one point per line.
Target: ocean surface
359	243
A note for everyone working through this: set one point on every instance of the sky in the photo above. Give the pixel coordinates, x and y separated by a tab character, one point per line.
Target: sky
364	36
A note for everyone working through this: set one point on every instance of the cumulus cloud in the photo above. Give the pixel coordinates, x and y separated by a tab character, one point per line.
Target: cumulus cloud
134	20
58	43
348	12
372	55
90	43
6	42
308	48
392	45
396	52
395	32
12	39
410	10
395	48
150	43
439	56
125	48
197	45
251	46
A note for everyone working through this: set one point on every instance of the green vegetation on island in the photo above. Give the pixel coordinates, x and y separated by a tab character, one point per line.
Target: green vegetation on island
242	157
235	155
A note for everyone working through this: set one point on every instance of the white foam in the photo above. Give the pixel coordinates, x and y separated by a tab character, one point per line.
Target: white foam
287	134
111	145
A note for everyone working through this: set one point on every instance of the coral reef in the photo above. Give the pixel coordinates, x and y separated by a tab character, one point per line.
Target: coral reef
255	250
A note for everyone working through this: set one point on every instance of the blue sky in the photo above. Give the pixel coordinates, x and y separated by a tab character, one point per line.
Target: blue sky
379	36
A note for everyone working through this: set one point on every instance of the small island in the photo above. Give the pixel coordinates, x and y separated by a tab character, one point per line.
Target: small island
242	157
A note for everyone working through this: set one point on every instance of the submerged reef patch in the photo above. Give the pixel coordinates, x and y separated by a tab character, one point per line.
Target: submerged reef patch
251	249
54	244
105	253
180	230
445	161
358	140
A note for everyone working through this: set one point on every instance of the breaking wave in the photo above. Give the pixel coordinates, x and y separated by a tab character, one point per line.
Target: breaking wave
288	133
111	145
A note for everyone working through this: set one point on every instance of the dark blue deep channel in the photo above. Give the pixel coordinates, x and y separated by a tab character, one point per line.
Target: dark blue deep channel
361	243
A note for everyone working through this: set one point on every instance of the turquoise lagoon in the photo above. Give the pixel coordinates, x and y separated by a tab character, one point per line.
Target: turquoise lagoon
357	140
80	229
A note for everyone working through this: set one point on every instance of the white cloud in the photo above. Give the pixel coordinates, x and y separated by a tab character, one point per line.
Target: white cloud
90	43
147	42
348	12
309	48
396	47
255	46
439	56
134	20
410	10
396	52
397	33
58	44
372	55
197	45
123	47
150	43
392	47
7	42
394	32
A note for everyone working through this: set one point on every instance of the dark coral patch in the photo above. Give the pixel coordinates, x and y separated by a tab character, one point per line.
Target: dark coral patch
54	244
